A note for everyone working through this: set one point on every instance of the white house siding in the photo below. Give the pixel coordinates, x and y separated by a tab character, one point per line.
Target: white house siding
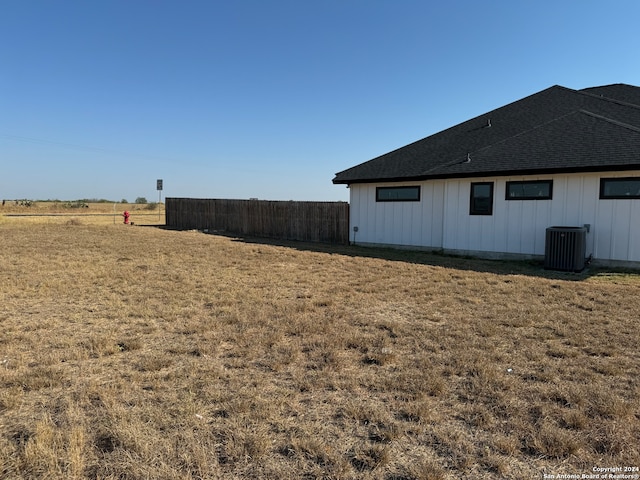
617	232
415	224
441	220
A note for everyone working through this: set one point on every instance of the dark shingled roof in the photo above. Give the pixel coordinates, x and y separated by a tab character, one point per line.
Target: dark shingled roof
557	130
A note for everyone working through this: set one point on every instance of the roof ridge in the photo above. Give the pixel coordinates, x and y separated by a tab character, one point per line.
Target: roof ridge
524	132
487	115
504	140
609	99
573	112
616	84
611	120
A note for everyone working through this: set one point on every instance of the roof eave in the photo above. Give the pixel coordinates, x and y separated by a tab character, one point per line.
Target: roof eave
500	173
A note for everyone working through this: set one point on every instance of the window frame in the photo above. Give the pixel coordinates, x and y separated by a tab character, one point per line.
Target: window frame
605	180
405	188
476	211
529	182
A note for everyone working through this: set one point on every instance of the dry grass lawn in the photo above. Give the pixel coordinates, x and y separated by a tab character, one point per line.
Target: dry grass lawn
142	353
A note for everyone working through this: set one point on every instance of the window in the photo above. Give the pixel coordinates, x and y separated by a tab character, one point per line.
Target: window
613	188
533	190
481	198
398	194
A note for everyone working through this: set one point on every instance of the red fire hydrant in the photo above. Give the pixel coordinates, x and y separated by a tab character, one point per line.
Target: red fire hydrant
126	217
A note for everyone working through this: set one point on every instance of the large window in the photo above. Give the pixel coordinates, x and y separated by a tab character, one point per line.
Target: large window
481	198
531	190
398	194
621	188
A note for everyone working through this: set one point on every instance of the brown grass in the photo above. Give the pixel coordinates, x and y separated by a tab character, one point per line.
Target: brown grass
132	352
105	213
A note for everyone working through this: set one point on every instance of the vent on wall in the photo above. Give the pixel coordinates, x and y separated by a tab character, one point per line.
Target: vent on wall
565	248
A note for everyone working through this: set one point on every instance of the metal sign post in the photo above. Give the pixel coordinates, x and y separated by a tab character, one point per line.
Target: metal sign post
159	188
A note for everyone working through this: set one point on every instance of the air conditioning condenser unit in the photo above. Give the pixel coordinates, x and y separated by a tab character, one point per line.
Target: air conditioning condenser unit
565	248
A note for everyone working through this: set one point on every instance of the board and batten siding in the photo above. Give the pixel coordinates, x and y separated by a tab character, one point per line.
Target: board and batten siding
441	220
416	224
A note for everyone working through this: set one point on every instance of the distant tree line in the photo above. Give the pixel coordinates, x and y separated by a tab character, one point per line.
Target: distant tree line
80	203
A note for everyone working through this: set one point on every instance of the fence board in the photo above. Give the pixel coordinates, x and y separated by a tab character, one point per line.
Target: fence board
306	221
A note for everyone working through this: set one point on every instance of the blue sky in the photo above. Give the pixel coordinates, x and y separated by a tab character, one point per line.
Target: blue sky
270	98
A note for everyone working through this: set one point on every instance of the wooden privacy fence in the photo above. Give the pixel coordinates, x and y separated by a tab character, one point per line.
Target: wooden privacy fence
306	221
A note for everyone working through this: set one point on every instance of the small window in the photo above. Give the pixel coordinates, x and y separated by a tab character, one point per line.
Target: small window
398	194
481	198
533	190
621	188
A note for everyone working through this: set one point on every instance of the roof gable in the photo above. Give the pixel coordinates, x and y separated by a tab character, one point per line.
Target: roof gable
557	129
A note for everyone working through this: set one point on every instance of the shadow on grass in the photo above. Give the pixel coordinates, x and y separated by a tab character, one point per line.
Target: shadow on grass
432	258
533	268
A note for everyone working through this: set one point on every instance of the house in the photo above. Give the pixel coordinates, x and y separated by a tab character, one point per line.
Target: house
491	186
